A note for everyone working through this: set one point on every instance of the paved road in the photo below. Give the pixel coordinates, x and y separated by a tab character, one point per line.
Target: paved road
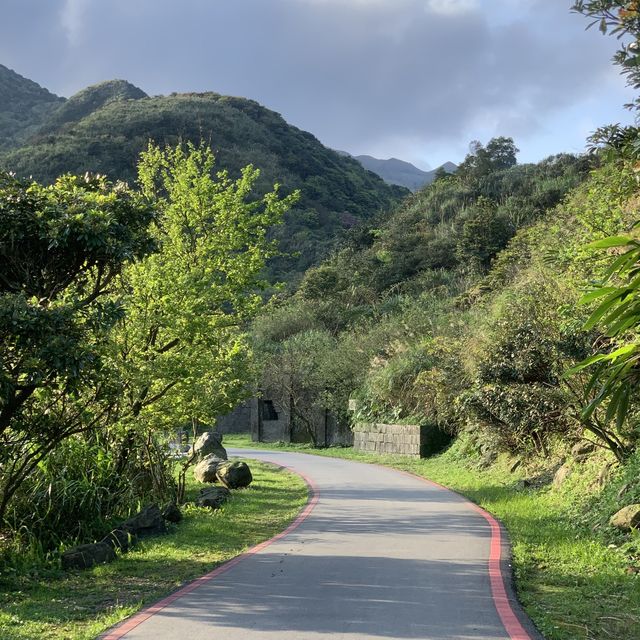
381	555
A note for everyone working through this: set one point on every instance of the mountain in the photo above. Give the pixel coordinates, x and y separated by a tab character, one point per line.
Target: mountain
103	128
399	172
24	105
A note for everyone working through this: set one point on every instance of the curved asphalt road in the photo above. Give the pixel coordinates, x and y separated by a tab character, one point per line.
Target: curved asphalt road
381	555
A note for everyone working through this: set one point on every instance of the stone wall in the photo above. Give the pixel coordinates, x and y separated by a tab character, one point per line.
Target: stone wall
238	421
402	439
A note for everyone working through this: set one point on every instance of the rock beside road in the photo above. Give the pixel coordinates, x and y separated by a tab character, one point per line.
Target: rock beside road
209	443
234	475
627	518
207	468
86	556
147	522
213	497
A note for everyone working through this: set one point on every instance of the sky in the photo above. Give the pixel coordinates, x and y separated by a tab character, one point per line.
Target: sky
412	79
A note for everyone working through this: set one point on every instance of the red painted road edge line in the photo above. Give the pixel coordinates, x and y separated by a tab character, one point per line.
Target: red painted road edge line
505	611
122	629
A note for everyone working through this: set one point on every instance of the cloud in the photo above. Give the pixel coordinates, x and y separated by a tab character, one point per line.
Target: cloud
405	78
452	7
72	18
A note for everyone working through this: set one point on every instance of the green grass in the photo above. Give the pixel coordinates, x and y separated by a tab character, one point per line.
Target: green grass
574	574
78	605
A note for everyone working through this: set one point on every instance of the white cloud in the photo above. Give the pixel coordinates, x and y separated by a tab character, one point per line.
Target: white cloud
72	19
452	7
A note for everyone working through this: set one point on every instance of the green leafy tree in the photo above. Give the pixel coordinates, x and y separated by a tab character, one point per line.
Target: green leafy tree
61	250
620	19
500	153
614	370
181	348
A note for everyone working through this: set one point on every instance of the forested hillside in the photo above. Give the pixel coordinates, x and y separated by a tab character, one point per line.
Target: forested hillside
105	127
397	318
24	105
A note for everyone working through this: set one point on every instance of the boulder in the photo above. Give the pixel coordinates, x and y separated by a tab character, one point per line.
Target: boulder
234	475
627	518
208	443
119	539
561	475
88	555
213	497
172	513
581	450
146	523
206	469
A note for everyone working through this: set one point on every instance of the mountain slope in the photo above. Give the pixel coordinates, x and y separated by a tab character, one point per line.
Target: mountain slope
399	172
396	171
24	105
105	127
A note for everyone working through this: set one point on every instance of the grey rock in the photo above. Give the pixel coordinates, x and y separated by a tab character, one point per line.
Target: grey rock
234	475
88	555
146	523
120	539
581	450
627	518
561	475
604	476
172	513
206	469
209	442
213	497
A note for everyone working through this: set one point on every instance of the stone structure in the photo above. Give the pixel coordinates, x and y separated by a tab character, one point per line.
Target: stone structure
399	439
237	421
273	420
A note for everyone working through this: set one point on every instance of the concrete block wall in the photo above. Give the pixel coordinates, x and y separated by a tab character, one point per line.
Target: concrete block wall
401	439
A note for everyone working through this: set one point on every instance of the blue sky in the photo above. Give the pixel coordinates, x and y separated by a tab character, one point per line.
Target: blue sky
414	79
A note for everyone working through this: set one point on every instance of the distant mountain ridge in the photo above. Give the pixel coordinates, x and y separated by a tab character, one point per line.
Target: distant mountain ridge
103	129
400	172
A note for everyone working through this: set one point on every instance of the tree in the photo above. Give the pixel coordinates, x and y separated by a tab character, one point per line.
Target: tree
614	371
181	348
61	250
484	234
500	153
621	19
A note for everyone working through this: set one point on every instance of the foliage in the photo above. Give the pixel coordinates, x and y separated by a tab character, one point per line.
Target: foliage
105	127
620	18
614	377
23	107
61	250
500	153
180	350
38	600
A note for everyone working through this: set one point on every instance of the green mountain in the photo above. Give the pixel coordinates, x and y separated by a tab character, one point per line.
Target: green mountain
24	105
105	127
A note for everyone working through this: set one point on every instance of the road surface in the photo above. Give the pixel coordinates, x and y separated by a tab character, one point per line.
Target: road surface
378	554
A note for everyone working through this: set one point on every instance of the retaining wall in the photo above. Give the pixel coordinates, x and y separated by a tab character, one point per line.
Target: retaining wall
403	439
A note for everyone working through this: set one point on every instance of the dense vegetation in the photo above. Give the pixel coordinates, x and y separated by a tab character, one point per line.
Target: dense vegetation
24	105
122	316
438	314
104	128
499	304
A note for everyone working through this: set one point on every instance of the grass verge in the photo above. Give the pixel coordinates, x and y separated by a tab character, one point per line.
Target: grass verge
79	605
575	576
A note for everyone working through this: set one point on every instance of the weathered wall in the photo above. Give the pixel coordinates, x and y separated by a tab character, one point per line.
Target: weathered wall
238	421
403	439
